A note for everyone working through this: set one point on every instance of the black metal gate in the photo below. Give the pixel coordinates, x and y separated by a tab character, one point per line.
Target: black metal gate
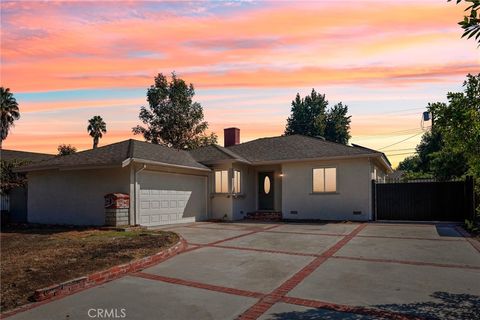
423	200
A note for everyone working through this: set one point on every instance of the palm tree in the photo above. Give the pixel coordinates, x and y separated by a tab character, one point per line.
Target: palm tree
96	128
9	112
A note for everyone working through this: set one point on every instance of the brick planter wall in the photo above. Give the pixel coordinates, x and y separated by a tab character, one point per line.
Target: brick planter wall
74	285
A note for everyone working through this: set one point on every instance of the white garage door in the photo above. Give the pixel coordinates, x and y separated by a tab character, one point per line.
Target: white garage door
167	198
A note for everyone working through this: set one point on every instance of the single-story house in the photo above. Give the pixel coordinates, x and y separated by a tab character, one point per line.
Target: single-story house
14	203
301	177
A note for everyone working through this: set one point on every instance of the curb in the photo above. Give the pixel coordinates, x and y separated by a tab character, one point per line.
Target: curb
474	242
60	290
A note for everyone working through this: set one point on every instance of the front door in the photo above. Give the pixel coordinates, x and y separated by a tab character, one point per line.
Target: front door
265	191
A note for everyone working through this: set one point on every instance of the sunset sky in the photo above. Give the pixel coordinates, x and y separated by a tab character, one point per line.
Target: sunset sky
68	61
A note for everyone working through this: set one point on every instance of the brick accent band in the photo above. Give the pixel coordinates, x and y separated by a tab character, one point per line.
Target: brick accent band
200	285
349	309
468	237
276	295
414	263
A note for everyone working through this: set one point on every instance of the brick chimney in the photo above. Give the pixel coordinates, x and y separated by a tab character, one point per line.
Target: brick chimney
231	136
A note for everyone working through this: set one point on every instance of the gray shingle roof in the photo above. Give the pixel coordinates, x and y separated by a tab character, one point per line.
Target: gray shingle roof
154	152
116	153
214	153
295	147
24	155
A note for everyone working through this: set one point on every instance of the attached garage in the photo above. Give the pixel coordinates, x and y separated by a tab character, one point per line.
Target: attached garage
167	198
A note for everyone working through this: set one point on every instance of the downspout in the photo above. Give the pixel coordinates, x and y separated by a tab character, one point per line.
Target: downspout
135	191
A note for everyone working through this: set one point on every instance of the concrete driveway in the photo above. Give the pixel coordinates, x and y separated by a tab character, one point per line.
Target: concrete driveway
294	271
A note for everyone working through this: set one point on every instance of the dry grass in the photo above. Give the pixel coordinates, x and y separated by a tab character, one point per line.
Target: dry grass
33	257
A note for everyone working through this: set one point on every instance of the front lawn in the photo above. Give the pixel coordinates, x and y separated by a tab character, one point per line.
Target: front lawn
34	257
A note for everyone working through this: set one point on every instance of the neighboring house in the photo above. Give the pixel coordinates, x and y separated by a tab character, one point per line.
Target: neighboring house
302	177
396	175
15	202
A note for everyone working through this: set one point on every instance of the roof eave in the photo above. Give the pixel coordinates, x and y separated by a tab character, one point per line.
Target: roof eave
370	155
65	168
137	160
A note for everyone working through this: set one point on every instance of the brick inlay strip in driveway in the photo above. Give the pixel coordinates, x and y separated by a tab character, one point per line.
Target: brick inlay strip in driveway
410	238
415	263
468	237
200	285
243	235
349	309
277	294
256	250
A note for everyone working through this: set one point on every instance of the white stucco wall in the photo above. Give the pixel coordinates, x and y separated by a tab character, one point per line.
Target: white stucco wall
221	205
75	196
246	201
353	191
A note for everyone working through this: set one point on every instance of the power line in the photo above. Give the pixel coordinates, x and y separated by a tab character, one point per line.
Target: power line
385	135
401	154
395	150
401	141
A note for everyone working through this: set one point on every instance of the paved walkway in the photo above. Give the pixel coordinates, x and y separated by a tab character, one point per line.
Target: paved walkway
295	271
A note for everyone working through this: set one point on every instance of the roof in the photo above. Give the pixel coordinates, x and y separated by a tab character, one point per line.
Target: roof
296	147
24	155
396	175
116	153
215	153
260	151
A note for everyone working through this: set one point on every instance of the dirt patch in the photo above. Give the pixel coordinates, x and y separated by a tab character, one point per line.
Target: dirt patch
34	257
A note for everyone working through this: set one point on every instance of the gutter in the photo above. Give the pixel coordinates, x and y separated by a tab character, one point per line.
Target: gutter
135	192
376	155
128	161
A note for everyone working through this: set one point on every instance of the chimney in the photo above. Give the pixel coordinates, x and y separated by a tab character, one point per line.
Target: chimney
231	136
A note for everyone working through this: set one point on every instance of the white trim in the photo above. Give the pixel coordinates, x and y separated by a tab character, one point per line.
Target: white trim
168	164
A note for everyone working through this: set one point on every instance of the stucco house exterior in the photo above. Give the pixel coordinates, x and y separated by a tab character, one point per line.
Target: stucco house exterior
14	202
301	177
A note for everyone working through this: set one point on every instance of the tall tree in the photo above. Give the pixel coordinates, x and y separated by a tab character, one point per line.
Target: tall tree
172	117
9	112
452	147
471	22
337	127
309	116
96	128
66	149
458	121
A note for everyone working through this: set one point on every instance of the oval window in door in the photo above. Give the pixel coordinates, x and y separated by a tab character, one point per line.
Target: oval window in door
266	185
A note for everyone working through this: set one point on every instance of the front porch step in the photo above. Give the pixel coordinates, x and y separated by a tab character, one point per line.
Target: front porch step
264	215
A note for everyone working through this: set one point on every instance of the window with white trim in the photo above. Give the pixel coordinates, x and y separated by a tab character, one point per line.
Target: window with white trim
325	179
221	181
237	182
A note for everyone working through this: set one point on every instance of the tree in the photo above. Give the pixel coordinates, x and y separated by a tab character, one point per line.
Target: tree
458	122
9	112
471	23
66	149
309	116
96	128
172	118
9	178
337	127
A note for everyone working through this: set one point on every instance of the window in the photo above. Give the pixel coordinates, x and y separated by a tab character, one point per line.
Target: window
221	181
237	181
325	180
